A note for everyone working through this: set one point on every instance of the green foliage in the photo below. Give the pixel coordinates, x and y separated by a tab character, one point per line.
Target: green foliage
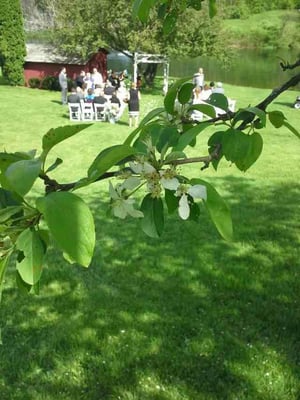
147	163
34	83
71	225
12	42
149	159
50	83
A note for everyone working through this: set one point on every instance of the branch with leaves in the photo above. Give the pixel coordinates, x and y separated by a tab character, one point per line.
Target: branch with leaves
146	163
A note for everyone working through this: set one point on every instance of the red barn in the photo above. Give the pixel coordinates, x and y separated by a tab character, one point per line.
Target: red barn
43	60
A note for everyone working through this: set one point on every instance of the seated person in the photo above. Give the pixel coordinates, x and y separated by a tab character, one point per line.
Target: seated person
89	98
99	97
109	89
80	93
73	97
219	88
115	100
206	92
114	79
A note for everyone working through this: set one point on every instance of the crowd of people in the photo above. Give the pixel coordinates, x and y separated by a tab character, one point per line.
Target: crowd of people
202	91
113	93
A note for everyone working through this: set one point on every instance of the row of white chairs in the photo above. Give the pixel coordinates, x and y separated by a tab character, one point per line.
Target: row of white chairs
92	111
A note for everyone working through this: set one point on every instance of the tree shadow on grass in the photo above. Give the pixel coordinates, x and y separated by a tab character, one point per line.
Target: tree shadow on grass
186	317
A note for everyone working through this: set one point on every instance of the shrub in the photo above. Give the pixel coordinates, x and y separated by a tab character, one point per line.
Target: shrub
34	83
50	83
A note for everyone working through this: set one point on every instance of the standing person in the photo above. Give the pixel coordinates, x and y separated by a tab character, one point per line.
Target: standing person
198	78
80	79
134	105
97	77
63	82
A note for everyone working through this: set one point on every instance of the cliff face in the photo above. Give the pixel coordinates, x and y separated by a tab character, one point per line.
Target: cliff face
35	17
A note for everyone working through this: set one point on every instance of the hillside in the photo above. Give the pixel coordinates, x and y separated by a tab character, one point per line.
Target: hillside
277	28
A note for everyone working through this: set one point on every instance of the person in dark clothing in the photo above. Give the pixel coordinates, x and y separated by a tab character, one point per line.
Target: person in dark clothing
80	79
114	109
134	105
73	97
100	99
109	89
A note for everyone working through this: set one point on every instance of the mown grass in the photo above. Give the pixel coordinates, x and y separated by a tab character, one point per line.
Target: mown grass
186	317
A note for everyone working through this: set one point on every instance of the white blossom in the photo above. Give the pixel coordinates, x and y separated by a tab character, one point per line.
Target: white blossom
122	207
196	192
142	168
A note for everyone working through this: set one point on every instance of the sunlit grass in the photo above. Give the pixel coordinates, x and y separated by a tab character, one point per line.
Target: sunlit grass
186	317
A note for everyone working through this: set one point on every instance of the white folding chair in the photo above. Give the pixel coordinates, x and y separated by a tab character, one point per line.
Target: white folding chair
87	111
100	114
74	111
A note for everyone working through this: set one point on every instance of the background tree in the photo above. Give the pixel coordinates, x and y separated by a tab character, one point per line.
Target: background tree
80	28
12	41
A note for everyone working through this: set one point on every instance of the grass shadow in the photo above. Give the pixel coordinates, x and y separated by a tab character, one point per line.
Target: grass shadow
186	317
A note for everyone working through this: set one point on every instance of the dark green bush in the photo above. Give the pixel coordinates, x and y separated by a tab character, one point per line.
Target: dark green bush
34	83
50	83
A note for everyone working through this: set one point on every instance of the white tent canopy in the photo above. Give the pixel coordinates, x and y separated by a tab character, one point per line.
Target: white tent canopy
143	58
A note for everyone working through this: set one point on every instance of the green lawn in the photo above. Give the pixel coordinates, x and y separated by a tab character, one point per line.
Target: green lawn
189	317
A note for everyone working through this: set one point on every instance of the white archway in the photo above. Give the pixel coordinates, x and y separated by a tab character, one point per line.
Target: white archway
143	58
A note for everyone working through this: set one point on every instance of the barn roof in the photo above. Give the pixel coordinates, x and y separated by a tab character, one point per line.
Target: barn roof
46	53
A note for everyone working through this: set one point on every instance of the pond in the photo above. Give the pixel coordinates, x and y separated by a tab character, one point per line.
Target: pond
256	68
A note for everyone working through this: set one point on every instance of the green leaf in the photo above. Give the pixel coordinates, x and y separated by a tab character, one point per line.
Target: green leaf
57	135
6	159
235	145
169	100
8	212
188	136
153	221
21	175
194	211
71	224
153	131
276	118
141	9
53	166
247	115
292	129
217	209
255	146
206	109
214	141
175	155
107	159
212	8
3	265
152	114
168	138
218	100
185	93
33	249
172	201
170	22
7	198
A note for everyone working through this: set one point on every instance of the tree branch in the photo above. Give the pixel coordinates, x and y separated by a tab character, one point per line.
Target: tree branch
289	66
